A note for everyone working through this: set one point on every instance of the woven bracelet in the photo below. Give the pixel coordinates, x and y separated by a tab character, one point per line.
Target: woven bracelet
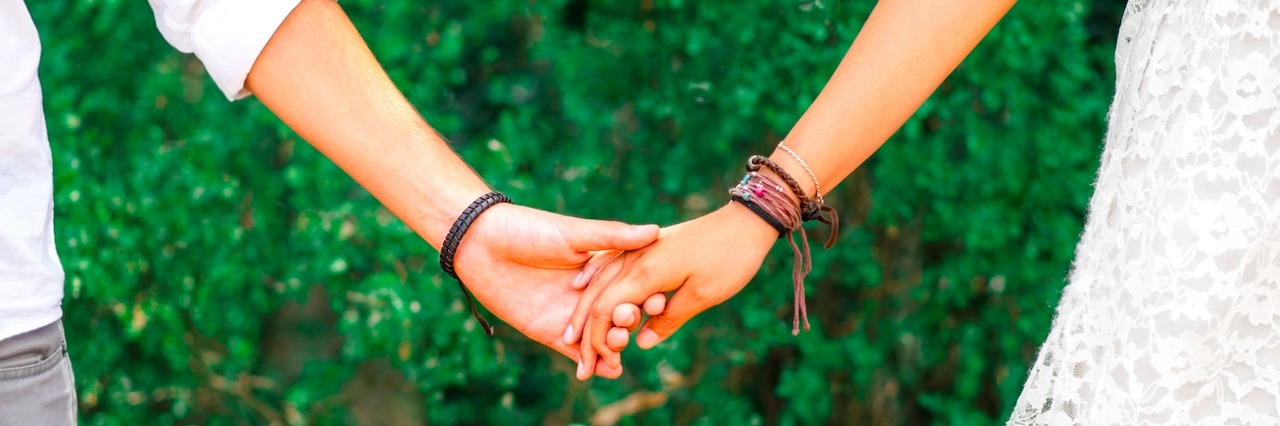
810	209
451	240
767	199
777	226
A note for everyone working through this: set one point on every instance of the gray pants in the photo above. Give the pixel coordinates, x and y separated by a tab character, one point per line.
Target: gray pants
36	384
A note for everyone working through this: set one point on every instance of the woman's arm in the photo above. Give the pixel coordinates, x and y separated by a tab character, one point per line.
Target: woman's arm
904	51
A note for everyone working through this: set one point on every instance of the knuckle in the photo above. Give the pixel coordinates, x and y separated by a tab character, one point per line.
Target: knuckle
704	298
664	324
640	273
601	312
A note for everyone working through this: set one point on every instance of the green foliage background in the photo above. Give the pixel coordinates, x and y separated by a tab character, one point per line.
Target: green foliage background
221	271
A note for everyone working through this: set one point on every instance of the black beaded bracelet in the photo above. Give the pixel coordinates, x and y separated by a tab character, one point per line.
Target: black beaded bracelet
451	240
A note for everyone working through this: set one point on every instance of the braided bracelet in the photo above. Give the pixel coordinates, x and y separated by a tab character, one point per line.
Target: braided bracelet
817	187
766	199
810	210
451	240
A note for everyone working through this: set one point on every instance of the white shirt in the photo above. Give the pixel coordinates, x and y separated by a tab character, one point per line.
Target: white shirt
227	36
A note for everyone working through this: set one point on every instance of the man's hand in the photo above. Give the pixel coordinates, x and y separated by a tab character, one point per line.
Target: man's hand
708	260
522	264
318	76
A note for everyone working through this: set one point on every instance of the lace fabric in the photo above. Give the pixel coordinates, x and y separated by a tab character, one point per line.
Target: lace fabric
1172	310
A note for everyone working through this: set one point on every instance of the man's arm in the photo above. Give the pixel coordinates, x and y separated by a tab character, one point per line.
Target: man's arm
318	76
315	72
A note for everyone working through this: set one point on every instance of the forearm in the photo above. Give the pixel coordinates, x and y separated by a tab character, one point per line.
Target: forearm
318	76
905	50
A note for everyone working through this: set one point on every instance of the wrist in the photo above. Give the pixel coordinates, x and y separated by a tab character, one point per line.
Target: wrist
436	218
420	179
469	220
797	172
751	227
444	193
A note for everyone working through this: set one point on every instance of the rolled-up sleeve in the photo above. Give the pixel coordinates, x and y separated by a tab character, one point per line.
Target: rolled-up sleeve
227	35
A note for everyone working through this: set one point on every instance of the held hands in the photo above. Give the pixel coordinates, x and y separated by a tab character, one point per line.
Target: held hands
522	263
705	261
541	271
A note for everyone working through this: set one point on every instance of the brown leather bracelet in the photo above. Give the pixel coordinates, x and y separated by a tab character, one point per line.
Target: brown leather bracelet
460	226
449	248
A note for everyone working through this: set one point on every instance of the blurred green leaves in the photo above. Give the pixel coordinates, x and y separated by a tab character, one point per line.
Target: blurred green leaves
221	271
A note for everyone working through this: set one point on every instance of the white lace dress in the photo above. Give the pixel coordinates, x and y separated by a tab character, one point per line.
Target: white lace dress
1172	312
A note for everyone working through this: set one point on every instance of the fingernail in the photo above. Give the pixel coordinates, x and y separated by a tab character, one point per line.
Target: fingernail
582	372
577	280
568	335
647	339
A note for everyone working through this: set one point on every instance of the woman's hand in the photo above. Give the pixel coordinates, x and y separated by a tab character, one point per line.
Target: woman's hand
708	260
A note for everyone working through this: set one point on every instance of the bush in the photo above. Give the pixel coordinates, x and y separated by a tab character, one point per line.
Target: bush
219	270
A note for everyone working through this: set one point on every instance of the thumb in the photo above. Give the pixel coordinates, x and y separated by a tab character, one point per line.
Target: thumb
591	235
